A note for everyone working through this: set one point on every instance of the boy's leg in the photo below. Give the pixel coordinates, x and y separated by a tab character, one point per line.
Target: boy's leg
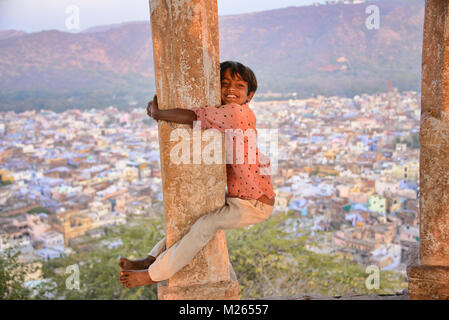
236	213
158	248
140	264
135	272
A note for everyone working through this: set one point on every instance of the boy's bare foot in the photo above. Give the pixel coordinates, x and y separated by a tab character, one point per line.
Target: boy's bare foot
135	278
140	264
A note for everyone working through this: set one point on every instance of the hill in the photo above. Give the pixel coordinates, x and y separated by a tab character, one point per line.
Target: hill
309	50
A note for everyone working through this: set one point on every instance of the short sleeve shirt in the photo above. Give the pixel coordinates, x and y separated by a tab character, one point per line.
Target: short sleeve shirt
248	170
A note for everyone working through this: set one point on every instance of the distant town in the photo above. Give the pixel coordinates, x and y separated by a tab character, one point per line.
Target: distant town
347	167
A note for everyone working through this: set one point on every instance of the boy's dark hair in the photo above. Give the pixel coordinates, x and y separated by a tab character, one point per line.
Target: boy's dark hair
245	72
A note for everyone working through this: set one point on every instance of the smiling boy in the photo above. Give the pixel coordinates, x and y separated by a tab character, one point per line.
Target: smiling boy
250	197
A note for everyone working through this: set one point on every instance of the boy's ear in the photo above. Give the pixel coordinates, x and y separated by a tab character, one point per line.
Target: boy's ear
250	96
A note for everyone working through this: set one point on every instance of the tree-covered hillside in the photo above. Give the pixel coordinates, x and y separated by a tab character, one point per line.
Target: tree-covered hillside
268	261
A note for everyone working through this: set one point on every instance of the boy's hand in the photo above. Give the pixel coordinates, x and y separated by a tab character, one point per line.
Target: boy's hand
176	115
152	108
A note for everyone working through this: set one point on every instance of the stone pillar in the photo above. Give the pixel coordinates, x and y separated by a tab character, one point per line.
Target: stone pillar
187	67
429	275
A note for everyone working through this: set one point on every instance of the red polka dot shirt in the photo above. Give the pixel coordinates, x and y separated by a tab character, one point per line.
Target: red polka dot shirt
247	177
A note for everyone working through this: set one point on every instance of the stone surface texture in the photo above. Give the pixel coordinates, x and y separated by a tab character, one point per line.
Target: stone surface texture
398	296
186	58
429	273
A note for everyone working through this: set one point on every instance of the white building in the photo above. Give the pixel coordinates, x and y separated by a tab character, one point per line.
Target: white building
390	187
387	256
51	239
22	175
102	208
47	254
408	233
5	194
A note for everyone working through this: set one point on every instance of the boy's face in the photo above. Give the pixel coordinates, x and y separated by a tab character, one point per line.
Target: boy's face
234	90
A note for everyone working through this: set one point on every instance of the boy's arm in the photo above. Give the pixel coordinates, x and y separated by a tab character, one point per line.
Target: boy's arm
184	116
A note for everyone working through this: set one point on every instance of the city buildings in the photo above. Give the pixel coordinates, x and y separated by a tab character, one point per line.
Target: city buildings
348	166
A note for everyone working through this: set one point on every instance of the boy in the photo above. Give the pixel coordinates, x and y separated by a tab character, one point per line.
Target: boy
250	198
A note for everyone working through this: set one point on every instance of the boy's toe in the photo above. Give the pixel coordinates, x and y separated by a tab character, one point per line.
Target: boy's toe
122	263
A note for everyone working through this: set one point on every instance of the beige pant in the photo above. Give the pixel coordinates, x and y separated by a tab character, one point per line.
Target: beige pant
236	213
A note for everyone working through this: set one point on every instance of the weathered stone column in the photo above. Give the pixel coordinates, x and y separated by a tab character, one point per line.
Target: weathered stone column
187	66
429	277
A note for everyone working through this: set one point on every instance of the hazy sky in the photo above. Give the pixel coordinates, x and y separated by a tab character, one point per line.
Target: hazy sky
38	15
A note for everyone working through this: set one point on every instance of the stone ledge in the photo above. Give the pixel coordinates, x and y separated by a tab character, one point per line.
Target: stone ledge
223	290
397	296
428	282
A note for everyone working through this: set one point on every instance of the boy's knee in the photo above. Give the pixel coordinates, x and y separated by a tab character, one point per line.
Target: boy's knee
158	274
267	213
205	227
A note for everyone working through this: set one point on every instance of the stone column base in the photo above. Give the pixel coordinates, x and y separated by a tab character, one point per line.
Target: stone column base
426	282
223	290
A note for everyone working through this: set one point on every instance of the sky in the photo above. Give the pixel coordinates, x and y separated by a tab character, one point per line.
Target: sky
78	15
